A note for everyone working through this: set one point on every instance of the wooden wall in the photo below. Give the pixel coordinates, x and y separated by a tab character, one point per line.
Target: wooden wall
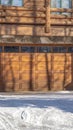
35	16
35	72
20	72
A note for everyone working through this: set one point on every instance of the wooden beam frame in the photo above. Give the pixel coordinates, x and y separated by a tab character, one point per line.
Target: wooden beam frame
17	20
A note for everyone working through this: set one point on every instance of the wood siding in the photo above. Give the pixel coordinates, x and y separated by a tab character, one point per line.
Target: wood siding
20	72
35	16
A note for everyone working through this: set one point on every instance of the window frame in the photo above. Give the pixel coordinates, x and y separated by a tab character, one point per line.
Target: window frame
61	6
11	3
70	3
37	49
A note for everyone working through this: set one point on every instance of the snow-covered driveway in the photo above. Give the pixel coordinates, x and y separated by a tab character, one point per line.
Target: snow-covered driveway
50	111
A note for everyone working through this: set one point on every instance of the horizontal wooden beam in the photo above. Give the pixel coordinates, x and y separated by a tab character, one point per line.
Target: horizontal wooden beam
30	14
35	30
22	8
38	44
61	16
61	10
35	21
22	20
62	21
22	14
36	9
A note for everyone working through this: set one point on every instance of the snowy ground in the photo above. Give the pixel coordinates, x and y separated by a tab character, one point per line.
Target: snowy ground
53	111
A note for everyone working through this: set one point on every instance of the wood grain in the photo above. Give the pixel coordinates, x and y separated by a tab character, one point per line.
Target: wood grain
37	72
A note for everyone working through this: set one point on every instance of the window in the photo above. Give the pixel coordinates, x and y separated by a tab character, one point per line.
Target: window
36	49
28	49
61	4
70	49
44	49
11	49
52	49
59	49
0	49
11	2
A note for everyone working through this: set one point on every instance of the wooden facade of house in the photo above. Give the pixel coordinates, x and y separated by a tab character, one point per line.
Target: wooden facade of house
36	67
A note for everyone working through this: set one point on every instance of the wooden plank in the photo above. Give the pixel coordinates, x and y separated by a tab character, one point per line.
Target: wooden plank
61	10
60	16
27	55
62	21
22	20
22	8
22	13
10	87
34	30
59	57
9	76
37	9
36	20
10	13
48	21
58	81
13	66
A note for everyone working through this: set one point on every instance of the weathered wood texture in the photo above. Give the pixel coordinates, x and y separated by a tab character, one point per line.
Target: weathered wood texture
35	30
72	8
34	17
34	13
48	20
21	72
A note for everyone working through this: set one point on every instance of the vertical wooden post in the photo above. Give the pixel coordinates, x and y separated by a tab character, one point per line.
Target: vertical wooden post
48	21
72	6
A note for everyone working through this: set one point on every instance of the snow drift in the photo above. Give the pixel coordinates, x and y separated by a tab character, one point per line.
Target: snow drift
36	112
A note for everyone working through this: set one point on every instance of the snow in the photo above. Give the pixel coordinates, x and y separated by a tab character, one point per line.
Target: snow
49	111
